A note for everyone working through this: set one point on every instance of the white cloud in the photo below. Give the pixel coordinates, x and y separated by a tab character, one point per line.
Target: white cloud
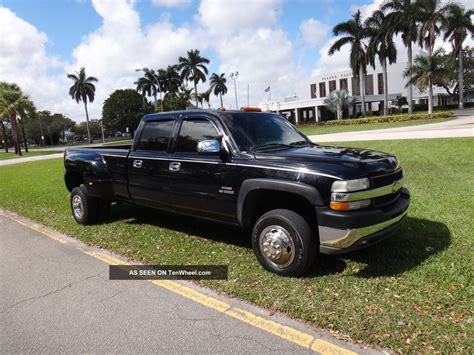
23	60
313	31
171	3
233	16
262	58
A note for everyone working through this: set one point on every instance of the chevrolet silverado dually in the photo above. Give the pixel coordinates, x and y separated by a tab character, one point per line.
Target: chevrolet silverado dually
251	169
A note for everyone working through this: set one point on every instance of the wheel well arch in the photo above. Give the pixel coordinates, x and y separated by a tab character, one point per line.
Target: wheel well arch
258	196
73	179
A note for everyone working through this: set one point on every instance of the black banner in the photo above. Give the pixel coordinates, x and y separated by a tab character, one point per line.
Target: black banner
168	272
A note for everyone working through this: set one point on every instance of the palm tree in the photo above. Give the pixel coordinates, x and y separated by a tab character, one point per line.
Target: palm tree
431	17
193	68
402	18
457	24
151	84
143	88
381	44
428	71
337	101
83	89
218	85
12	103
355	32
172	79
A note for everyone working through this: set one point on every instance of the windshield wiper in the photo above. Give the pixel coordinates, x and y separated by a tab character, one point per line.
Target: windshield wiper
301	143
271	145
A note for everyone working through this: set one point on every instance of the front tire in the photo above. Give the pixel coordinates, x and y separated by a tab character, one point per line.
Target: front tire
83	206
283	243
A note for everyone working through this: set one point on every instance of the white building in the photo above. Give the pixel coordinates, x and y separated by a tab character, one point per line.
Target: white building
308	104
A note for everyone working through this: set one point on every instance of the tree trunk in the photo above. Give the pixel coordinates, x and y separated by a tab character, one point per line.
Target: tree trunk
16	136
410	87
385	87
362	89
156	102
5	140
430	98
196	93
461	80
222	105
87	123
23	136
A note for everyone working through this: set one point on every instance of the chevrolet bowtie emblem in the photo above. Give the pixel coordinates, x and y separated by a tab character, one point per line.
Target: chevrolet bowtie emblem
396	186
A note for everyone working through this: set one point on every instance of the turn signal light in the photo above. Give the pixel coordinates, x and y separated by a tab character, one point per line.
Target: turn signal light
345	206
339	206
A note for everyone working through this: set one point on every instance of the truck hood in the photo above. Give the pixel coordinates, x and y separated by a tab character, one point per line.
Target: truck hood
342	162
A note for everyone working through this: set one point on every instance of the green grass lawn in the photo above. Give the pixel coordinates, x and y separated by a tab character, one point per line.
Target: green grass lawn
322	129
410	293
119	142
12	155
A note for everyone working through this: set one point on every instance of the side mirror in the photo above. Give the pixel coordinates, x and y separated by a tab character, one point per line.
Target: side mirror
209	146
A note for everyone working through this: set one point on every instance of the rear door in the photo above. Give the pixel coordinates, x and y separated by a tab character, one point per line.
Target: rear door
148	163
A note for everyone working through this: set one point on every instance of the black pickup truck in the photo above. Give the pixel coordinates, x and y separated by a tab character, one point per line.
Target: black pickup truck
250	169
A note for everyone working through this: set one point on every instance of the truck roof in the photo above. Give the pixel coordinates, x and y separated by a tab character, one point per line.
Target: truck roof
154	116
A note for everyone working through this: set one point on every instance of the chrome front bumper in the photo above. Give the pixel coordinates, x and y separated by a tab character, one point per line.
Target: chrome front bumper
347	231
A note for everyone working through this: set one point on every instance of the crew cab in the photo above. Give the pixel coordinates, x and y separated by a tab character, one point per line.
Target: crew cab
251	169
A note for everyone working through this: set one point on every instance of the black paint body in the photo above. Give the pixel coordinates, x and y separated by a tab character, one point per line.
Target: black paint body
197	188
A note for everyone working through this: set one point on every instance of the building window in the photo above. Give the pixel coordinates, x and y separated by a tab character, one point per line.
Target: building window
380	83
343	84
332	85
355	86
313	91
369	84
322	89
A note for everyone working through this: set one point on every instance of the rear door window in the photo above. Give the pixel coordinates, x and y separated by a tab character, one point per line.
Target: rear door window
156	135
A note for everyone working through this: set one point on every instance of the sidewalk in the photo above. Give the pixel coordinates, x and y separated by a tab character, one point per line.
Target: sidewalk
461	126
56	296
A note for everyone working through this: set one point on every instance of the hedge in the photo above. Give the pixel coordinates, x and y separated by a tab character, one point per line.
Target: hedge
389	118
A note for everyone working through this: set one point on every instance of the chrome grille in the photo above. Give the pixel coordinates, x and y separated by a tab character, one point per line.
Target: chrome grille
383	180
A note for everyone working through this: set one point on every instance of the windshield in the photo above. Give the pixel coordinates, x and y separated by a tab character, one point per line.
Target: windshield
255	131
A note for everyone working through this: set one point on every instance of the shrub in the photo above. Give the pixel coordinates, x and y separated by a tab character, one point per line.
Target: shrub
389	118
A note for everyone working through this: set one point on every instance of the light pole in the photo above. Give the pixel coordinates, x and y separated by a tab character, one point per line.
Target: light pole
146	70
234	77
102	129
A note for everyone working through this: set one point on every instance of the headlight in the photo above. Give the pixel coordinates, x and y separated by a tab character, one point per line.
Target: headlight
350	185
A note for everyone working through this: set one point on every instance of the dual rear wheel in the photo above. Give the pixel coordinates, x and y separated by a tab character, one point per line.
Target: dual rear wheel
282	240
87	209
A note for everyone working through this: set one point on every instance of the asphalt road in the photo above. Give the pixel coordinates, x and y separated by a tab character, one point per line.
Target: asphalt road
55	297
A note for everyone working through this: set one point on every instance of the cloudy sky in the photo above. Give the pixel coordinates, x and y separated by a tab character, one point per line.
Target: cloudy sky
269	42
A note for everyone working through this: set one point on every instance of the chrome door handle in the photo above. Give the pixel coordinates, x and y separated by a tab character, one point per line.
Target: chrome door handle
175	166
137	163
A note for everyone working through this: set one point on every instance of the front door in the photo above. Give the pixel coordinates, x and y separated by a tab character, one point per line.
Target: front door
198	180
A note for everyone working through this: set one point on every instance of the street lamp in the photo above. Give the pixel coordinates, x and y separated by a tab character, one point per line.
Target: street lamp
146	70
234	77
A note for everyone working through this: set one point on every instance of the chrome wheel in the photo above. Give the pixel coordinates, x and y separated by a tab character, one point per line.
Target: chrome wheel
276	246
77	206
